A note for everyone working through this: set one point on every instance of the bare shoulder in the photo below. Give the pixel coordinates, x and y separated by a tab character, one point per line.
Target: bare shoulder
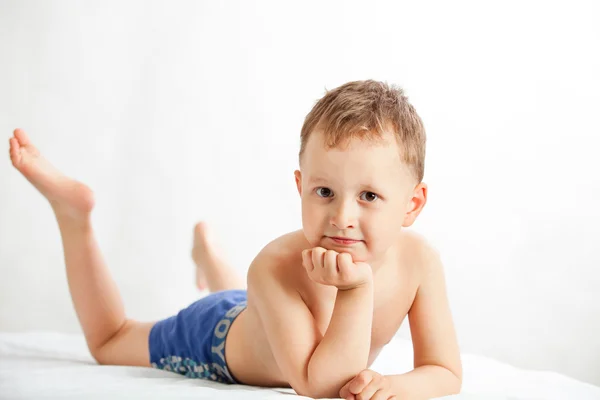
418	252
281	259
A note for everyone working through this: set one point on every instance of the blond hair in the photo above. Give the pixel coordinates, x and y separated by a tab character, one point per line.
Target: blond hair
365	109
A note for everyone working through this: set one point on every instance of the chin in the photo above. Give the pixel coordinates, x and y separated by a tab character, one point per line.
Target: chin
361	257
357	251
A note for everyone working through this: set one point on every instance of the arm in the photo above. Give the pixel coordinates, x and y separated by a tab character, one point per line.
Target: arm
313	364
344	350
438	370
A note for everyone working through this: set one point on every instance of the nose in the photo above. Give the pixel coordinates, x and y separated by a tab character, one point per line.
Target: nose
343	214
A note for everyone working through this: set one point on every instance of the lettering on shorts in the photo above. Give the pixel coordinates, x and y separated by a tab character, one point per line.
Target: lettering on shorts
220	333
216	371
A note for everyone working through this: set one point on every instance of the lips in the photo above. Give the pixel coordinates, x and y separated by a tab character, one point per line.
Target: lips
344	240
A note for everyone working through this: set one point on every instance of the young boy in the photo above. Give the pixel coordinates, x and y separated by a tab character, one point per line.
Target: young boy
321	302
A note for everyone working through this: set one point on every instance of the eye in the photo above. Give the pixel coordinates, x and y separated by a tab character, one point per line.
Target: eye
369	196
323	192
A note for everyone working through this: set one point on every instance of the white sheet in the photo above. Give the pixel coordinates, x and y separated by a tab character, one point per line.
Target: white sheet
38	365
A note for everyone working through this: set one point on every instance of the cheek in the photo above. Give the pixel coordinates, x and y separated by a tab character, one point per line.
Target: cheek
313	210
311	219
381	230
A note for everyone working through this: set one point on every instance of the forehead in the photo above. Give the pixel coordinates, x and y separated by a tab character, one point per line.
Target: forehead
365	160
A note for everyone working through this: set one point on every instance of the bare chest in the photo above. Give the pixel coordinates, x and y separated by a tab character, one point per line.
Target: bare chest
391	305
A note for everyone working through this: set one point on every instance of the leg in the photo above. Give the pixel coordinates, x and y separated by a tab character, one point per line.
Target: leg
111	338
211	269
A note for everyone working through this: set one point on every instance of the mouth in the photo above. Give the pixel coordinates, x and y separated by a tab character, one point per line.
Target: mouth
343	241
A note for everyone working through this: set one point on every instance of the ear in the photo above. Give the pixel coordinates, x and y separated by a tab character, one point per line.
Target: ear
415	204
298	176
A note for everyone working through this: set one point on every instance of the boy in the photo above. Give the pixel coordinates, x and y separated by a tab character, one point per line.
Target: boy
321	302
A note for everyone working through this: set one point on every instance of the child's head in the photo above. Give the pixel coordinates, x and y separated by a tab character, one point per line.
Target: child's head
362	159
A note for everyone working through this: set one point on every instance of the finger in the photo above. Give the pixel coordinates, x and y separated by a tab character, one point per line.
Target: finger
360	382
317	256
345	261
330	262
344	392
382	394
370	389
307	260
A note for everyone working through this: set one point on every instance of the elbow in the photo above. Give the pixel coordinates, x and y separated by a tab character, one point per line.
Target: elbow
318	392
318	384
458	373
455	377
315	389
457	384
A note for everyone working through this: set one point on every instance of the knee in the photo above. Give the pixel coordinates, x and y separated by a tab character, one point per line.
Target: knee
103	350
127	346
99	355
102	354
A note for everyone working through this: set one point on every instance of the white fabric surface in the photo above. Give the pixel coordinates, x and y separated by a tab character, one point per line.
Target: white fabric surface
37	365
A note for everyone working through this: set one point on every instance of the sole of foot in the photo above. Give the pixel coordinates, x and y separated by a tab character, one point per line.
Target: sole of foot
67	196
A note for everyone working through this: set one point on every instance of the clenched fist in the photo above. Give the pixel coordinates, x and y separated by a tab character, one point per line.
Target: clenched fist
328	267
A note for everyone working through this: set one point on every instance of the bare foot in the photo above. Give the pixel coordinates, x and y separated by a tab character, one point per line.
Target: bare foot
199	251
67	196
211	271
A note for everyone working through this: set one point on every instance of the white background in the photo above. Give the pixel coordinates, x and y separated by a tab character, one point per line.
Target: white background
175	112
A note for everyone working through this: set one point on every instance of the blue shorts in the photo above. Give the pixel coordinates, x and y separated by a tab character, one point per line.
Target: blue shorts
192	343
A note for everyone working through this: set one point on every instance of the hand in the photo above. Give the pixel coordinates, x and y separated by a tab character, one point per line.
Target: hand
328	267
367	385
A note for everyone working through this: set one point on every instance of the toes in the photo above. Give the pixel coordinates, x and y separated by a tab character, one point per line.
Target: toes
14	150
200	228
14	144
21	137
202	233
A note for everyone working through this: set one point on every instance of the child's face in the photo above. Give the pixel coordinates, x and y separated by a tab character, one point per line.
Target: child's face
363	192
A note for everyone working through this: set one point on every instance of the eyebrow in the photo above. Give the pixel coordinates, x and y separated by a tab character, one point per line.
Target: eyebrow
317	179
323	180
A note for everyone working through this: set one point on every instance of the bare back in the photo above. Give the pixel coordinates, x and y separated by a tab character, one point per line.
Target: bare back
248	352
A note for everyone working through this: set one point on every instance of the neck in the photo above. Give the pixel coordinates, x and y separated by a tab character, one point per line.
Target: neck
387	259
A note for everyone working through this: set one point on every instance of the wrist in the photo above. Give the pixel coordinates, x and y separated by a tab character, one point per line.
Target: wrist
363	286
